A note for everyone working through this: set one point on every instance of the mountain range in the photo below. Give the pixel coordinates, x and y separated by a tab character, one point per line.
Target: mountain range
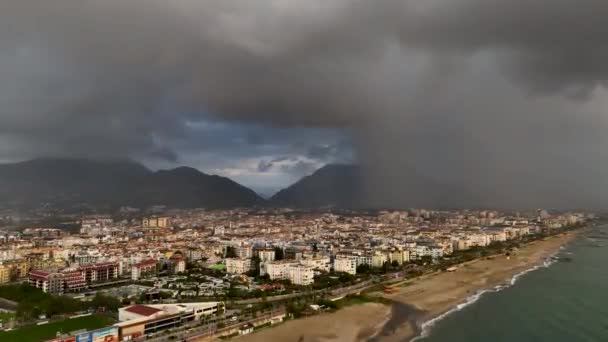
66	183
76	183
359	187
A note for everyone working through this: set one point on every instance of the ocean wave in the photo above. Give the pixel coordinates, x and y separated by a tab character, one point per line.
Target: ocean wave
426	327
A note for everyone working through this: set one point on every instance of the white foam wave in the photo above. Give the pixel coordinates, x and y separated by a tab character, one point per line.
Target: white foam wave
426	327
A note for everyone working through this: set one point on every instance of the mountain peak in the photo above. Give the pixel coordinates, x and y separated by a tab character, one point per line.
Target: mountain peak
331	185
73	183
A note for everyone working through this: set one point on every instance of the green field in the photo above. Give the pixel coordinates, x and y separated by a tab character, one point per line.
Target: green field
6	316
45	332
219	267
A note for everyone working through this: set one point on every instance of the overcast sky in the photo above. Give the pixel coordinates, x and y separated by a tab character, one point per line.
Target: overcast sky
507	98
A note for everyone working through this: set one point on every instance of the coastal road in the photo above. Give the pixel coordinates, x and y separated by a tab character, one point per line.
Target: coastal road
196	331
343	291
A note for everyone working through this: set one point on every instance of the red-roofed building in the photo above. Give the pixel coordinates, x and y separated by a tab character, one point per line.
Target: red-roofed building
141	311
177	263
99	272
72	280
143	268
141	320
57	282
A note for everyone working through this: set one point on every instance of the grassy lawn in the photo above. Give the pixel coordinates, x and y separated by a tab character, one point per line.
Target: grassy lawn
6	316
219	267
45	332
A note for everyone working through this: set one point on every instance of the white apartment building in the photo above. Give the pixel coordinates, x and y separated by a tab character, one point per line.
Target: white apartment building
301	275
364	260
497	235
347	265
378	259
481	240
290	270
418	252
400	256
244	252
266	255
321	263
277	269
238	266
180	266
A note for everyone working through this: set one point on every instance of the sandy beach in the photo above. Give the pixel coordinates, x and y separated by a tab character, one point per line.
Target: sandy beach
434	294
417	301
353	323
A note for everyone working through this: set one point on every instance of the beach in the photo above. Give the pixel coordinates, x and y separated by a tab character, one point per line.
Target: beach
417	301
353	323
435	294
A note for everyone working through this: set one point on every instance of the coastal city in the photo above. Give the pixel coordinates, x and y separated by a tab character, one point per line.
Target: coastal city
198	274
303	171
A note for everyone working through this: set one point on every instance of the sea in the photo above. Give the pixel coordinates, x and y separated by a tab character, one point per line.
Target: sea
564	300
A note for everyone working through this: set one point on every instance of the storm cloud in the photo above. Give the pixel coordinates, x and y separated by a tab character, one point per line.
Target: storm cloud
504	98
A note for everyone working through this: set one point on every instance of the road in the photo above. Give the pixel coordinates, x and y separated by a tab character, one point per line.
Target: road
200	329
343	291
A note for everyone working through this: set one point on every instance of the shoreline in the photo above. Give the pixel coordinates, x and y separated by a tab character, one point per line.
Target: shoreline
449	293
420	302
425	328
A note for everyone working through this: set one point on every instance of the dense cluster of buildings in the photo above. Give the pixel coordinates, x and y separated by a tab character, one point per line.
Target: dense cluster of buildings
282	244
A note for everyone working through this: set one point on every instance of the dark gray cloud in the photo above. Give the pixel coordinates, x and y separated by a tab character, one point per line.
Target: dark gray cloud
506	98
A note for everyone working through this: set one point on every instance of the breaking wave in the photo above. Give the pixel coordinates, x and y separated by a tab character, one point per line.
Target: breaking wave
426	327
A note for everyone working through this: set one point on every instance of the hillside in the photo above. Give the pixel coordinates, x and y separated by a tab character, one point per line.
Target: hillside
333	185
70	183
352	186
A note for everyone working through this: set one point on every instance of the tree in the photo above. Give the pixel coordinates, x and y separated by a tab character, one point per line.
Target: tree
363	268
230	252
385	266
426	259
14	275
345	277
255	261
279	253
106	302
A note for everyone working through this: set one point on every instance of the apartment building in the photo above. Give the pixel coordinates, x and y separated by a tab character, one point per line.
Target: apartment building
244	252
321	263
238	266
277	269
143	268
379	258
290	270
5	274
57	282
346	264
266	254
301	274
99	272
400	256
155	222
